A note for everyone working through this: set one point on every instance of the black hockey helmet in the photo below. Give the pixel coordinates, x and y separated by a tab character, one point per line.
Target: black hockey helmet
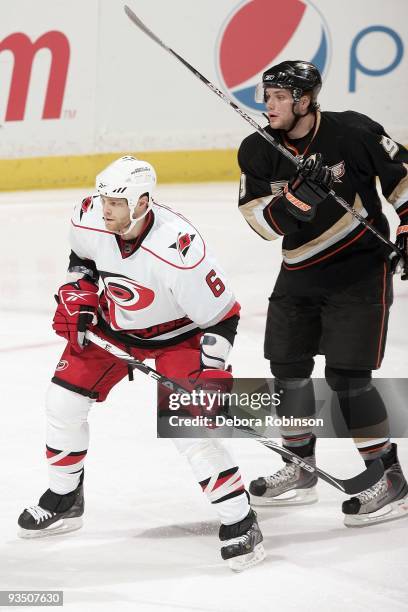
297	76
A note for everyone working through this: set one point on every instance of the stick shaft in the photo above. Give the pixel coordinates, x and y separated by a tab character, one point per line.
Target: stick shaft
138	23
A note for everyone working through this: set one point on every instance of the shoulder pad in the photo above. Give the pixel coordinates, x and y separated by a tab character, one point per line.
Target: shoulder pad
89	213
86	205
356	121
174	240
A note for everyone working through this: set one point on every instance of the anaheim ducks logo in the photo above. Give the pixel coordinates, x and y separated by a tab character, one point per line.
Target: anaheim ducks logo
338	170
277	187
127	293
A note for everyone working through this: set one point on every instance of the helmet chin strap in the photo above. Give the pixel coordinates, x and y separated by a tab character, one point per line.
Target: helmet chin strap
296	118
133	222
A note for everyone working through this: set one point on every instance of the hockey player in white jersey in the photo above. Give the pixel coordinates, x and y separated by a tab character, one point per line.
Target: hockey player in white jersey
163	297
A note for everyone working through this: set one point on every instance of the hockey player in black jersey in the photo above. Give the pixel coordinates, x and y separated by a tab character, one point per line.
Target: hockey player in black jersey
334	290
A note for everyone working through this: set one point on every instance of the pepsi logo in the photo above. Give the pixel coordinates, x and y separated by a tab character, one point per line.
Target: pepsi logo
261	33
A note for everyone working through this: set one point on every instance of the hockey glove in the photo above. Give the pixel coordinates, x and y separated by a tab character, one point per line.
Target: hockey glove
76	311
400	264
308	187
213	384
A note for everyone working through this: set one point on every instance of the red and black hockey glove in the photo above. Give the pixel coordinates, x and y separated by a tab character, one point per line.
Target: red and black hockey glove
308	187
212	384
400	265
209	386
76	311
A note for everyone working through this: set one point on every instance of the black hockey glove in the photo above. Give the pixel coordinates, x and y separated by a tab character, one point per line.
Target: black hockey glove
308	187
400	264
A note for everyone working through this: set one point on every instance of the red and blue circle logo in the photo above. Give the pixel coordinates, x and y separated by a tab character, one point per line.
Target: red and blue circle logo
261	33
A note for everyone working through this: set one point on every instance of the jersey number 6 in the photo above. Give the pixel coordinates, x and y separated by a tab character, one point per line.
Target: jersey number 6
215	284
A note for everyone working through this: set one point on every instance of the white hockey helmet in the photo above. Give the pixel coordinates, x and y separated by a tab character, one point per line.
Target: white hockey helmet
128	178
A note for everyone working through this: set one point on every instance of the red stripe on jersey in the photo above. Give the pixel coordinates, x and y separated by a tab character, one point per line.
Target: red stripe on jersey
315	261
402	212
384	310
172	264
272	220
235	310
177	214
92	229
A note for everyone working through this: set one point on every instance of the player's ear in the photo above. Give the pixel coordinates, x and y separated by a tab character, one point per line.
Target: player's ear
144	199
305	101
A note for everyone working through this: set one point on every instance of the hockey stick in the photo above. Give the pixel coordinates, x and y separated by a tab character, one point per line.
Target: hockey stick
138	23
138	365
350	486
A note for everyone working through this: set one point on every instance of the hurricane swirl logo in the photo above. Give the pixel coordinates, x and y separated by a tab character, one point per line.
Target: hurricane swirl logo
261	33
126	293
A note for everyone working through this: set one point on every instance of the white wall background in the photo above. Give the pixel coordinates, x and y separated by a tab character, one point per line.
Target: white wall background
123	92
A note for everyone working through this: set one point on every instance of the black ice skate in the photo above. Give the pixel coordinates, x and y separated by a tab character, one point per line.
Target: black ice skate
289	486
242	546
387	500
54	514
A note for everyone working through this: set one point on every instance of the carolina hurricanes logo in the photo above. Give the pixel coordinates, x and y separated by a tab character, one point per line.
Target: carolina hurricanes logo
127	294
183	243
62	365
85	206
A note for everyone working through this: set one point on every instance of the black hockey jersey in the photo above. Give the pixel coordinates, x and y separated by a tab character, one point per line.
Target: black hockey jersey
334	249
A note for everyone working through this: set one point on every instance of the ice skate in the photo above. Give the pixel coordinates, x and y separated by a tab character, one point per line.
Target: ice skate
53	515
387	500
242	543
289	486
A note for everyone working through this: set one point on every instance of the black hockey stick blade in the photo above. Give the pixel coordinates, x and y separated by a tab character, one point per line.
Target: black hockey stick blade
350	486
139	24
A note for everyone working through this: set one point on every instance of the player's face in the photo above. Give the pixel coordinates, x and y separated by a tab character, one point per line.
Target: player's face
279	108
116	213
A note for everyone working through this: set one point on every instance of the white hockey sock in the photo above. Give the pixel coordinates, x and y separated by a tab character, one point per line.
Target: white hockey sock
219	477
67	437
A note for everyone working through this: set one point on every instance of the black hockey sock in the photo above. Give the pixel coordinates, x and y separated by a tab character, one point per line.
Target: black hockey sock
373	449
302	444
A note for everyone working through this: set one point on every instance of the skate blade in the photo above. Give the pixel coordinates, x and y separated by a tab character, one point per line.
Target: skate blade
244	562
296	497
60	527
391	512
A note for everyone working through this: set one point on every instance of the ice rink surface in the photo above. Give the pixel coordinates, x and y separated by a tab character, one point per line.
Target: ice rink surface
149	540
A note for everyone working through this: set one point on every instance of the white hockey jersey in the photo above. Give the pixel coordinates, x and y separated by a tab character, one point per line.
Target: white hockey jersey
169	286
